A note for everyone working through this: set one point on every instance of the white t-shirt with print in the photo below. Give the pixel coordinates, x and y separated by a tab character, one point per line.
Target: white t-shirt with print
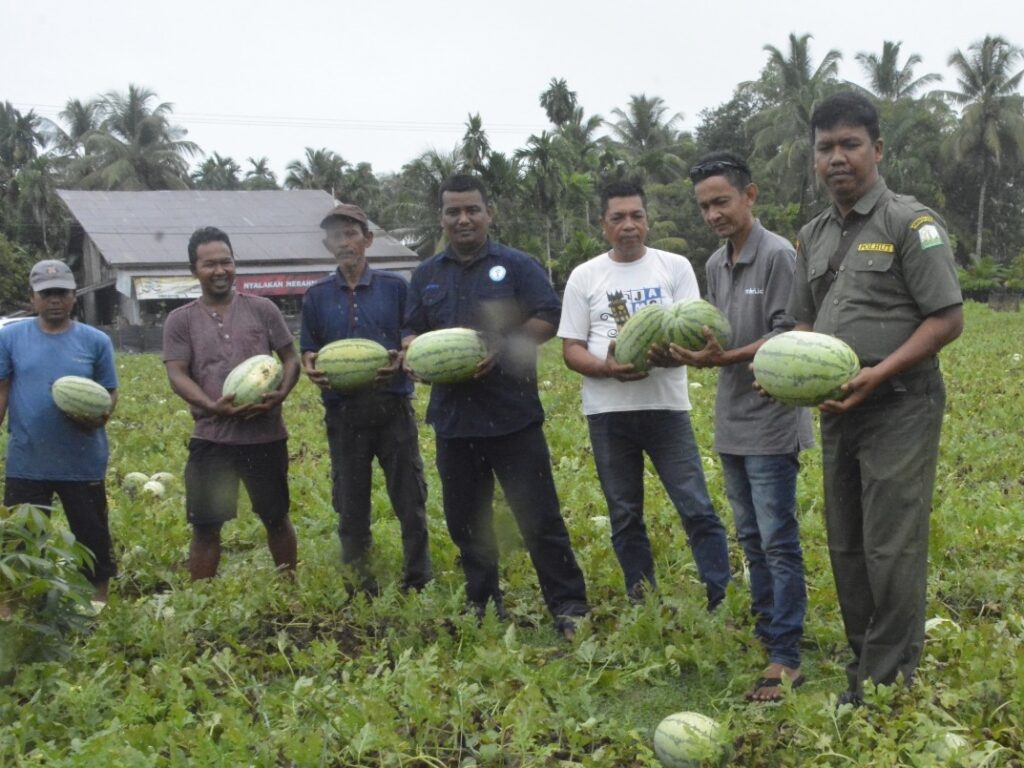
658	277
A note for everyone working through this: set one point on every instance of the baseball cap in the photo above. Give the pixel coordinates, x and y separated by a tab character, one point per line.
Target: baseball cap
347	211
51	273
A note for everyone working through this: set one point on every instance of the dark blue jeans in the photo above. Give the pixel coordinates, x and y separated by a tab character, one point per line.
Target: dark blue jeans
381	426
620	440
522	463
762	492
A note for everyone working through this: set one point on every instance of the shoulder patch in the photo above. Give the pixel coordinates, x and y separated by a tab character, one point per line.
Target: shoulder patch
929	236
877	247
920	220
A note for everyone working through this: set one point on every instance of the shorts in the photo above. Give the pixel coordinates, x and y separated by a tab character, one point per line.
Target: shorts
85	506
212	474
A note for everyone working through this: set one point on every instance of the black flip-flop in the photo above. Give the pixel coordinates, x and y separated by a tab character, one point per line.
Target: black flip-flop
773	682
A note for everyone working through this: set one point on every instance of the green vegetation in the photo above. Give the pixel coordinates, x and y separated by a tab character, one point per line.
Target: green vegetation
251	669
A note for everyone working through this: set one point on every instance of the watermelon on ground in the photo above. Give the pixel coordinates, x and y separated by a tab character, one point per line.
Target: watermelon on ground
687	740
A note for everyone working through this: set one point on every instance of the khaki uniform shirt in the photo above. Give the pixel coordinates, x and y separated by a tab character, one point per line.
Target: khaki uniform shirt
898	269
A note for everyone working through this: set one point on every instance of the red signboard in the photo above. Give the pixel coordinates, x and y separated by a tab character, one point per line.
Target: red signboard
277	284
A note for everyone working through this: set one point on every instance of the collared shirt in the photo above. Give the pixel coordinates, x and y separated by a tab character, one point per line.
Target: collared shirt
898	270
332	310
496	292
212	344
752	293
45	444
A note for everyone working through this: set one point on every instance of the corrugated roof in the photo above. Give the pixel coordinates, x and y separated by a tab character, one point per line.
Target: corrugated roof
151	229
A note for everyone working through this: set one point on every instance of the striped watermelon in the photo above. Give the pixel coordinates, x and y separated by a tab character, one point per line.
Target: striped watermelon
645	328
253	378
684	324
81	397
351	363
804	368
445	356
687	740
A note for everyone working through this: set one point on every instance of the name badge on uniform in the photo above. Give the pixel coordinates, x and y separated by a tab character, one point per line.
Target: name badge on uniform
497	274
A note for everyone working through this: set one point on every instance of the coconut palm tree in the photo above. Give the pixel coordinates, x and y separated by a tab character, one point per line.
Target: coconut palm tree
259	175
793	86
135	147
649	139
322	169
22	135
558	102
78	119
475	144
544	162
417	203
217	172
891	80
991	130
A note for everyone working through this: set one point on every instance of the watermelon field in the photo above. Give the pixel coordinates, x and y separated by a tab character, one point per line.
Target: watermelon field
253	669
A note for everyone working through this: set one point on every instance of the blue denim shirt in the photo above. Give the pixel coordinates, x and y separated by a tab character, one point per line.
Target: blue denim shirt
374	310
495	293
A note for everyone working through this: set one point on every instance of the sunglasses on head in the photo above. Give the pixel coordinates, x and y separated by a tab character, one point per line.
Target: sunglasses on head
701	171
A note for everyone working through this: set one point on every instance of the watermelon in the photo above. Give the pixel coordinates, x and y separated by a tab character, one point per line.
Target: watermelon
154	488
803	368
134	481
81	397
686	740
351	363
165	478
253	378
645	328
685	321
446	356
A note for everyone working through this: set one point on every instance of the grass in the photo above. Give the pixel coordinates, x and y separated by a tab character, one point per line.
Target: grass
253	670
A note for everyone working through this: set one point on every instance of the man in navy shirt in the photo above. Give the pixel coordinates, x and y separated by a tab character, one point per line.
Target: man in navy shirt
491	426
357	301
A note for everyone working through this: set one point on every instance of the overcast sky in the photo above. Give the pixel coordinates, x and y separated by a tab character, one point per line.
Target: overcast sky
381	81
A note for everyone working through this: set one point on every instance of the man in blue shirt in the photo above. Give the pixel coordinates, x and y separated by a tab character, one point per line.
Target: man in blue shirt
491	425
357	301
49	453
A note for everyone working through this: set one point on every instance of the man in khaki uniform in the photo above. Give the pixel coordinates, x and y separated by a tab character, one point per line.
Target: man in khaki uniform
876	270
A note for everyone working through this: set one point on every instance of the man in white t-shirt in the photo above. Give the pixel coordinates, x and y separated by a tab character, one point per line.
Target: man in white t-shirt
630	413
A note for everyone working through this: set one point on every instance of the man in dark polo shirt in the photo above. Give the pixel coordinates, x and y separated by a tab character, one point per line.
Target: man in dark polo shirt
876	270
203	341
357	301
758	440
491	426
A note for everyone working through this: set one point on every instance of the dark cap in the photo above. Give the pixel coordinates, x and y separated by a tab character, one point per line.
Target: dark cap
346	211
51	273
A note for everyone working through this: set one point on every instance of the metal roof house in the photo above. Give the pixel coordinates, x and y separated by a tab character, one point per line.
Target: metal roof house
129	250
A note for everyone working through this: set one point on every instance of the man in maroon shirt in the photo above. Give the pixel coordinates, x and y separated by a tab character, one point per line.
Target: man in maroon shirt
203	341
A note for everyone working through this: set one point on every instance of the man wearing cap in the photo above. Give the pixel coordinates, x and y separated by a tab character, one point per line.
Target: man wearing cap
492	426
758	440
358	301
48	453
203	341
876	270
